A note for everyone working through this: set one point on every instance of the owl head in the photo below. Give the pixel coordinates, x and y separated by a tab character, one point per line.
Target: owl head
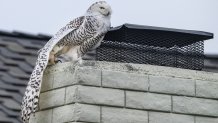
101	7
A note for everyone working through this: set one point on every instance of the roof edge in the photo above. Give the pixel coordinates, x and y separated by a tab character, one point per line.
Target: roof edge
19	34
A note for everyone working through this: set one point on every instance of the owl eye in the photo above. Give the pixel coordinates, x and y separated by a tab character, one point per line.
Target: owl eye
102	8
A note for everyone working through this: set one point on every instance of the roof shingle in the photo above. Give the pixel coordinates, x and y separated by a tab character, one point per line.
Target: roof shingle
18	53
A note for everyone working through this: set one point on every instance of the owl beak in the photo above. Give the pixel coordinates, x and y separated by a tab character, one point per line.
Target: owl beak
108	14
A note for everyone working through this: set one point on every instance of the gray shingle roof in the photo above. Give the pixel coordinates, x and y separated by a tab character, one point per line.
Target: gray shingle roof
17	58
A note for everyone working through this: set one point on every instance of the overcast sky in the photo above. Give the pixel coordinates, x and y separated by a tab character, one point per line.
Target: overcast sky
48	16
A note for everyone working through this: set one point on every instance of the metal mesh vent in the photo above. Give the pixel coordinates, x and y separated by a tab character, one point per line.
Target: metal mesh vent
155	46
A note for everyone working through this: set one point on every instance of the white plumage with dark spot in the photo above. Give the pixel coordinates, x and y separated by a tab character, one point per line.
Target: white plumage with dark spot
74	40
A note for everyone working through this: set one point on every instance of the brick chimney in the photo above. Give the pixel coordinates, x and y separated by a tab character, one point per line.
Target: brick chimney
106	92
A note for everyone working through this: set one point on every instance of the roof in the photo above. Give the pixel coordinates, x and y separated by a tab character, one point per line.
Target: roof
18	53
211	63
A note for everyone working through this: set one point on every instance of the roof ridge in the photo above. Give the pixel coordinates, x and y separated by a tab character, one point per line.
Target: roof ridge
20	34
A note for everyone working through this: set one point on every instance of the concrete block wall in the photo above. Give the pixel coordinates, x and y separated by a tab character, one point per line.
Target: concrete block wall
105	92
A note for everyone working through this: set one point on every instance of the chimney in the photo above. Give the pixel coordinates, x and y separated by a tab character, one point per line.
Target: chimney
106	92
